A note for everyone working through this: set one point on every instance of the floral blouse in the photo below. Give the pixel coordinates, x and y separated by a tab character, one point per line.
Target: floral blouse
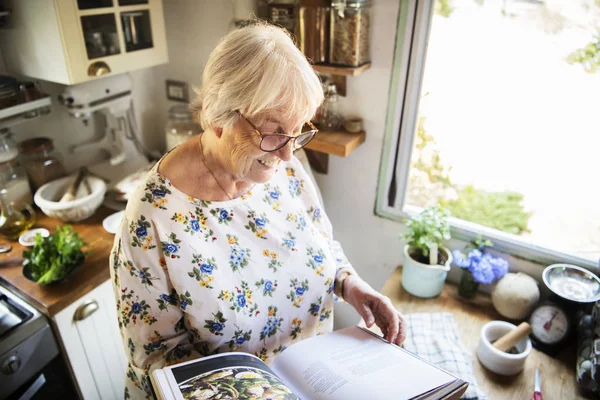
194	278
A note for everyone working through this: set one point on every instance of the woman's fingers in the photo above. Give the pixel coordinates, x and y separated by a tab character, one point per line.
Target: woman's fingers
402	330
389	318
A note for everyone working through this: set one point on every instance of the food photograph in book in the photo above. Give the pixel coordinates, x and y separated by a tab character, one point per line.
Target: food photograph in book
243	381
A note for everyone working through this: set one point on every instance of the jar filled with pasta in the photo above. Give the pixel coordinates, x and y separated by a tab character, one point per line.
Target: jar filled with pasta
180	126
349	32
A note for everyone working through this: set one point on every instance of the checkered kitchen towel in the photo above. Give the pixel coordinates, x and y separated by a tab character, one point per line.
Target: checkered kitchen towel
434	337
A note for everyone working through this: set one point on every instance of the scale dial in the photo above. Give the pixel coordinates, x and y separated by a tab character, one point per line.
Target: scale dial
549	324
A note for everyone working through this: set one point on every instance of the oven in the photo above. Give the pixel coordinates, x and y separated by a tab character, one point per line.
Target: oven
31	366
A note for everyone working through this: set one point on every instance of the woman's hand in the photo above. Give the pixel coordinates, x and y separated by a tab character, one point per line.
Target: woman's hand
374	307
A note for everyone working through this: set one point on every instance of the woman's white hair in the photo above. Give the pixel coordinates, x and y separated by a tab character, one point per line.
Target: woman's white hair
256	69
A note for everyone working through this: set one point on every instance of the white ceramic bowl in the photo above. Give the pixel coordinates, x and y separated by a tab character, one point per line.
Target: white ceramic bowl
498	361
69	211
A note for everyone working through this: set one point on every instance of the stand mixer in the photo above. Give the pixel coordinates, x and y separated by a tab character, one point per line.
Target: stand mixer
110	97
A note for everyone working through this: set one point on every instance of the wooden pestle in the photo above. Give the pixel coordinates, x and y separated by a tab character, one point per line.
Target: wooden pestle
71	192
513	337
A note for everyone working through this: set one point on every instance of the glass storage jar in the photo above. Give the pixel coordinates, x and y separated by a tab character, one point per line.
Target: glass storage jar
349	32
42	162
8	147
13	178
180	126
331	119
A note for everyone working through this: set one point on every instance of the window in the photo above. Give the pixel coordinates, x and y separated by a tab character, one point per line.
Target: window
493	114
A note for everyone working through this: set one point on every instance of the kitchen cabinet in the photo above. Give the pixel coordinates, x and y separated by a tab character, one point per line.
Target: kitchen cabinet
73	41
92	343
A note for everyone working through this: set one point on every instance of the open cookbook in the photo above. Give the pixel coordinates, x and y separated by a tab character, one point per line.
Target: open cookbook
352	363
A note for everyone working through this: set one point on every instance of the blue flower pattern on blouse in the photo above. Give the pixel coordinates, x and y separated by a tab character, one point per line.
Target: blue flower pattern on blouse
254	274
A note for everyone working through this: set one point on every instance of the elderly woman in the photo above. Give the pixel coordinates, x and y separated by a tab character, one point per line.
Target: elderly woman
225	246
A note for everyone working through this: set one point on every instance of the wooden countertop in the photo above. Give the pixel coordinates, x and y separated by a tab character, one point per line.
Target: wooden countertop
557	374
53	298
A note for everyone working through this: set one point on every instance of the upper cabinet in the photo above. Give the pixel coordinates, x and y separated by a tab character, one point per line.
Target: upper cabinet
73	41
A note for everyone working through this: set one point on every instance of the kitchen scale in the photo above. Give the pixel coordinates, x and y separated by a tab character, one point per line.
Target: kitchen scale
573	290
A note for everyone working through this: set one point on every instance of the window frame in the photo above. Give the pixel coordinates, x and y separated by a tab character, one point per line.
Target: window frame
410	52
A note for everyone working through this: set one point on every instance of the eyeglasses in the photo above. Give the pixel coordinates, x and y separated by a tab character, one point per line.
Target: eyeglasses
274	141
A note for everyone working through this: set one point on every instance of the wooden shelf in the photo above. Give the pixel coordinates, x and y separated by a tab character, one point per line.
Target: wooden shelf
343	71
336	143
18	114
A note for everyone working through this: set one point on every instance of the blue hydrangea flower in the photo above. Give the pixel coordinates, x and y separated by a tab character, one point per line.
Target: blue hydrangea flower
300	291
207	268
141	232
241	300
302	221
195	225
485	268
136	308
317	213
475	257
289	243
274	195
183	305
159	193
261	222
268	286
460	260
499	266
318	258
223	214
323	317
483	273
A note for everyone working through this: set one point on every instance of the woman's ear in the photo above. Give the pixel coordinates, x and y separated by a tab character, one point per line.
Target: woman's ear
218	132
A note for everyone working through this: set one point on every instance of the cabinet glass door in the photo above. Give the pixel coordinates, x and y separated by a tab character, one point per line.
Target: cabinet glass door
137	30
132	2
91	4
101	38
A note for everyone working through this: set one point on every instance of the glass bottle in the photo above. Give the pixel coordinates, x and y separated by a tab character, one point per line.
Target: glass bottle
8	147
15	218
180	126
331	119
42	162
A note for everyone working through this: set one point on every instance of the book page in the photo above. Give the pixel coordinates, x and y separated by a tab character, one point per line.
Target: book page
224	376
354	364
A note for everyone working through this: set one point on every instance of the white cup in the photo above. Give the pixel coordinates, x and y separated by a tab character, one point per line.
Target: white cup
498	361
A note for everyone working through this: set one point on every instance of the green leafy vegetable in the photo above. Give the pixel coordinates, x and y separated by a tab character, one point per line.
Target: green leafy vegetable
54	257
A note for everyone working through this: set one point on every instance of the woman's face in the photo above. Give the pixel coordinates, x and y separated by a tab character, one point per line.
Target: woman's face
247	161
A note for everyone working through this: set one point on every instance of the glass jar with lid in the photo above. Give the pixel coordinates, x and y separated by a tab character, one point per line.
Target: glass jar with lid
180	126
349	32
42	162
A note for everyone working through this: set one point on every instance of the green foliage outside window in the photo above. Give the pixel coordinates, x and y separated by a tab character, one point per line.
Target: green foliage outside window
431	184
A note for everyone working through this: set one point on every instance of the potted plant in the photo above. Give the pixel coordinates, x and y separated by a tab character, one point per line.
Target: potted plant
426	261
478	267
